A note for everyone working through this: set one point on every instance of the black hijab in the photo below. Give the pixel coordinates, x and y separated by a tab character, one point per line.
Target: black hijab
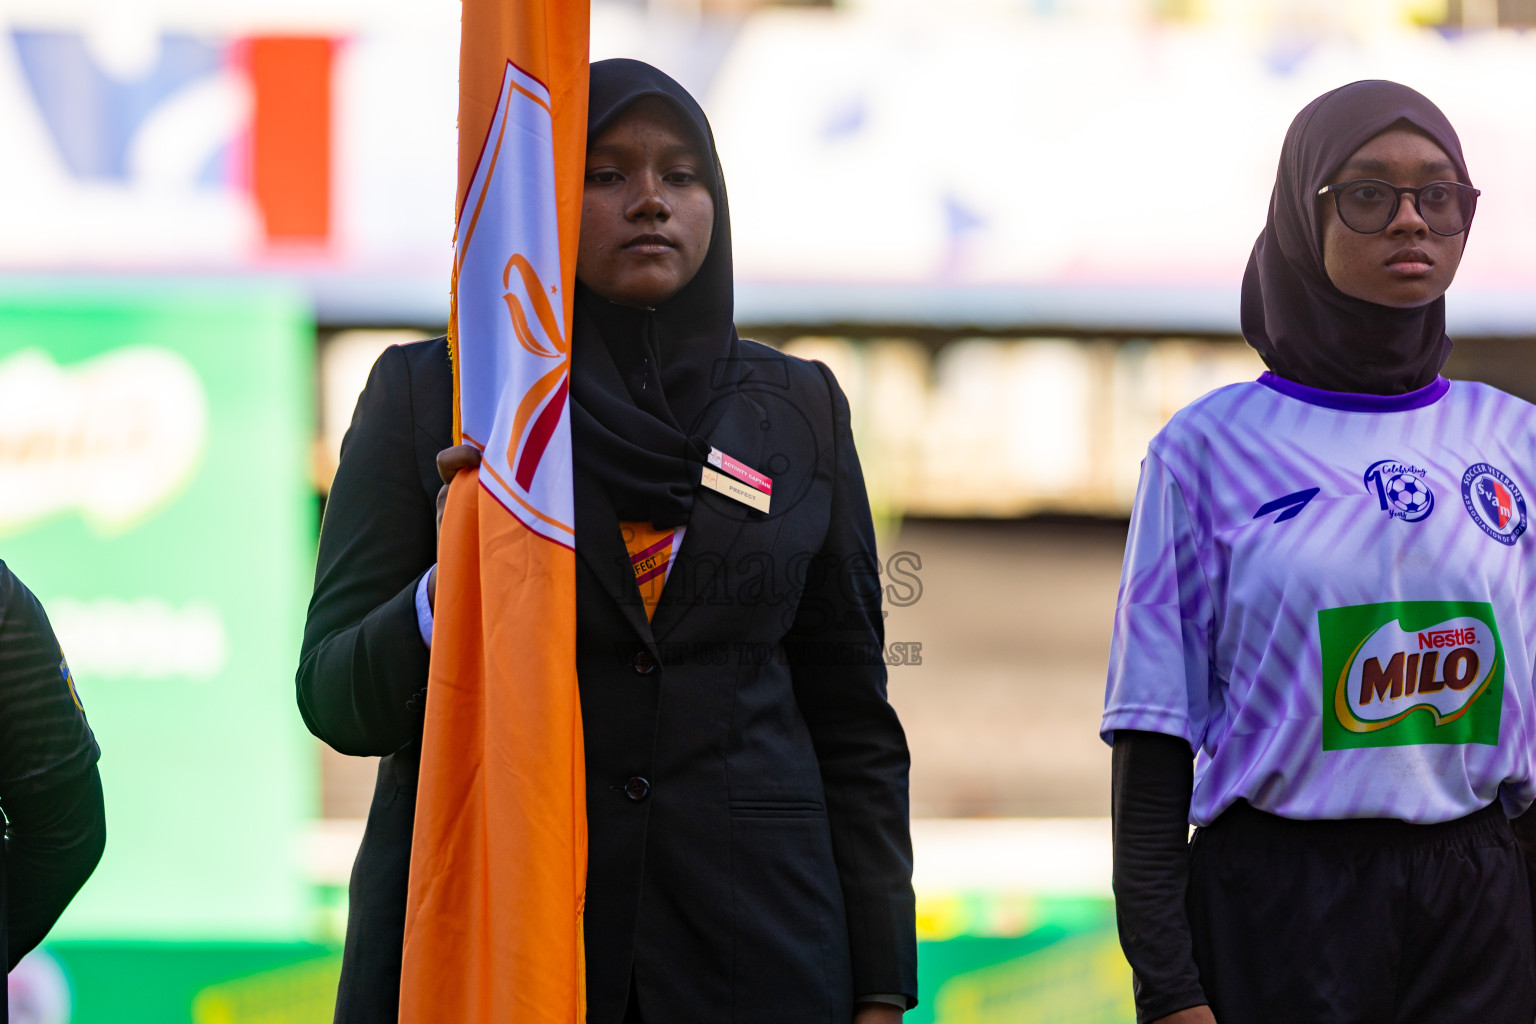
642	379
1305	328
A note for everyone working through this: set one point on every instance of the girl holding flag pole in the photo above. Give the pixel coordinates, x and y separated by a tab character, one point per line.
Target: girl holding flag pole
1327	602
745	777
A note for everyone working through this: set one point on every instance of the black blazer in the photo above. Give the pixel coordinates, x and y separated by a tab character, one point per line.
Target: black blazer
750	858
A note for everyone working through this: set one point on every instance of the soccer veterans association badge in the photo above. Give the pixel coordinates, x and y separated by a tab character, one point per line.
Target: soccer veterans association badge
1494	502
69	681
1411	672
1401	489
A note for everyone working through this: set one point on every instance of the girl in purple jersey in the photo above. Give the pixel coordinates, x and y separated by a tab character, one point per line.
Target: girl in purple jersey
1268	917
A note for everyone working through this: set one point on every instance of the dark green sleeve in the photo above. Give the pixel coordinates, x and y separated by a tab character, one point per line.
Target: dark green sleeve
54	842
50	790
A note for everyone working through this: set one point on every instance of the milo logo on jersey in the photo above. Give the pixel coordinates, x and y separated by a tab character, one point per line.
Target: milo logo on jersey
1407	672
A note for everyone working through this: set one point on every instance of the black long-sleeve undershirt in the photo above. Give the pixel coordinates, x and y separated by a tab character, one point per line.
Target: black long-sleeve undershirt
1525	833
1152	779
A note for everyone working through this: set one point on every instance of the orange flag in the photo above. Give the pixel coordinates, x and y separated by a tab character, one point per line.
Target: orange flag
499	859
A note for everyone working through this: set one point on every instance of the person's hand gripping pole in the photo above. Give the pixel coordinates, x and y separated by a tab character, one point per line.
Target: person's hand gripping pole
450	462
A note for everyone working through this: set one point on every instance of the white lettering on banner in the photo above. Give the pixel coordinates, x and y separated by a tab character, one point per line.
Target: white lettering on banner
141	638
114	437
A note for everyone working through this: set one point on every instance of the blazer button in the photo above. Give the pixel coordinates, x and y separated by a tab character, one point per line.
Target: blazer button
643	663
637	789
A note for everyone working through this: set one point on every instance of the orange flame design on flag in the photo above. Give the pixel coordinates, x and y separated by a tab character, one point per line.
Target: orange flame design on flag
541	306
532	442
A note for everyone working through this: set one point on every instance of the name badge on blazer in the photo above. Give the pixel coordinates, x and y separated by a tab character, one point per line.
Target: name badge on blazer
736	480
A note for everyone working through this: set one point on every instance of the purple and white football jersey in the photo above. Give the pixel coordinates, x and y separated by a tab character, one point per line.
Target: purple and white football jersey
1333	599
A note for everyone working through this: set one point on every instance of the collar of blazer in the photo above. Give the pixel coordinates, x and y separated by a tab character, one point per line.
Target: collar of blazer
712	531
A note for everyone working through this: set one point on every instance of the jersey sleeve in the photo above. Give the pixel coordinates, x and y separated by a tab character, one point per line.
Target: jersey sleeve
1160	652
44	737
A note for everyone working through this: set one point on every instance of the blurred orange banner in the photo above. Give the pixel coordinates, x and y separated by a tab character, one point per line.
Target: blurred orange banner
498	863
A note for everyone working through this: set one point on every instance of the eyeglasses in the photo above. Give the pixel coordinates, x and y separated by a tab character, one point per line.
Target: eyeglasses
1368	205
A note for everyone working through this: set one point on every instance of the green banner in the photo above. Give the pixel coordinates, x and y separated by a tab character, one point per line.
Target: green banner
1041	961
1000	958
154	495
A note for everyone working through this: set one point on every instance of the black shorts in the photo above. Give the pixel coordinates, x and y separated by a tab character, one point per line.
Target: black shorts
1368	921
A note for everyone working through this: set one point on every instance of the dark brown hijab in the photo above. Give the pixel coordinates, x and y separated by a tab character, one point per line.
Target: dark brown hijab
1306	329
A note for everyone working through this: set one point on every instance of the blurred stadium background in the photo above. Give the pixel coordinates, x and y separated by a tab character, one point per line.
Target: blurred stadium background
1014	228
